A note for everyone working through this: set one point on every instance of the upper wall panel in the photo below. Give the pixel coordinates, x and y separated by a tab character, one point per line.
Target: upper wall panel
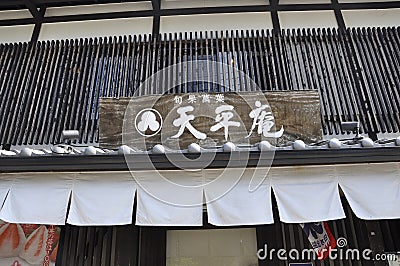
92	9
14	14
293	2
97	28
12	34
372	18
169	4
307	19
360	1
216	22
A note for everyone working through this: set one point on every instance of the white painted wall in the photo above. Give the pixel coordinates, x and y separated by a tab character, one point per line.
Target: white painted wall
16	33
96	28
307	19
290	2
168	4
217	247
360	1
372	18
102	8
14	14
216	22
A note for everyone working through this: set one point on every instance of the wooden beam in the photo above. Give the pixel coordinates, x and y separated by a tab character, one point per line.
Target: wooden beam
38	26
156	5
156	25
338	14
274	15
32	8
156	17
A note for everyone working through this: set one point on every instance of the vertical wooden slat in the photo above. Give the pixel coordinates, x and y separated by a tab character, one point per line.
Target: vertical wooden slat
238	60
280	53
342	78
41	97
256	55
66	94
131	69
369	82
228	63
390	45
41	124
11	97
92	88
351	85
288	62
325	107
294	64
88	62
25	107
360	81
213	69
138	65
72	85
58	97
161	59
385	75
268	72
204	64
107	92
8	79
122	68
334	83
250	61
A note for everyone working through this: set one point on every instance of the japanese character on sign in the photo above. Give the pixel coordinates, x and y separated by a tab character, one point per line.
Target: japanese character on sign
224	114
184	122
219	98
206	98
192	98
264	121
178	99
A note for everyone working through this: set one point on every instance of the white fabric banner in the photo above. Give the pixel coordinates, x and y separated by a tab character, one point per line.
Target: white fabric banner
372	190
244	201
175	198
306	194
102	198
38	198
169	198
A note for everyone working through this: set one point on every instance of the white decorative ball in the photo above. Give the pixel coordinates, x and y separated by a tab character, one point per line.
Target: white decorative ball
264	146
334	143
90	150
228	147
124	150
158	149
26	152
194	148
397	141
367	142
299	145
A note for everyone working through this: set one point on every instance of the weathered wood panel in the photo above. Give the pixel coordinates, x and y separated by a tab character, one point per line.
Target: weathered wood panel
298	112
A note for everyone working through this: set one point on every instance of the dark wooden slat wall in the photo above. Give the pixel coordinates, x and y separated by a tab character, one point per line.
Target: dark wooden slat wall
56	85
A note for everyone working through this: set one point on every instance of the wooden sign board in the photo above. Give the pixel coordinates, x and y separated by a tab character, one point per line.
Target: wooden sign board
210	119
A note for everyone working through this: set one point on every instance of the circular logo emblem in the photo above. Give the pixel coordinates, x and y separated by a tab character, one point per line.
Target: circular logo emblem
148	122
